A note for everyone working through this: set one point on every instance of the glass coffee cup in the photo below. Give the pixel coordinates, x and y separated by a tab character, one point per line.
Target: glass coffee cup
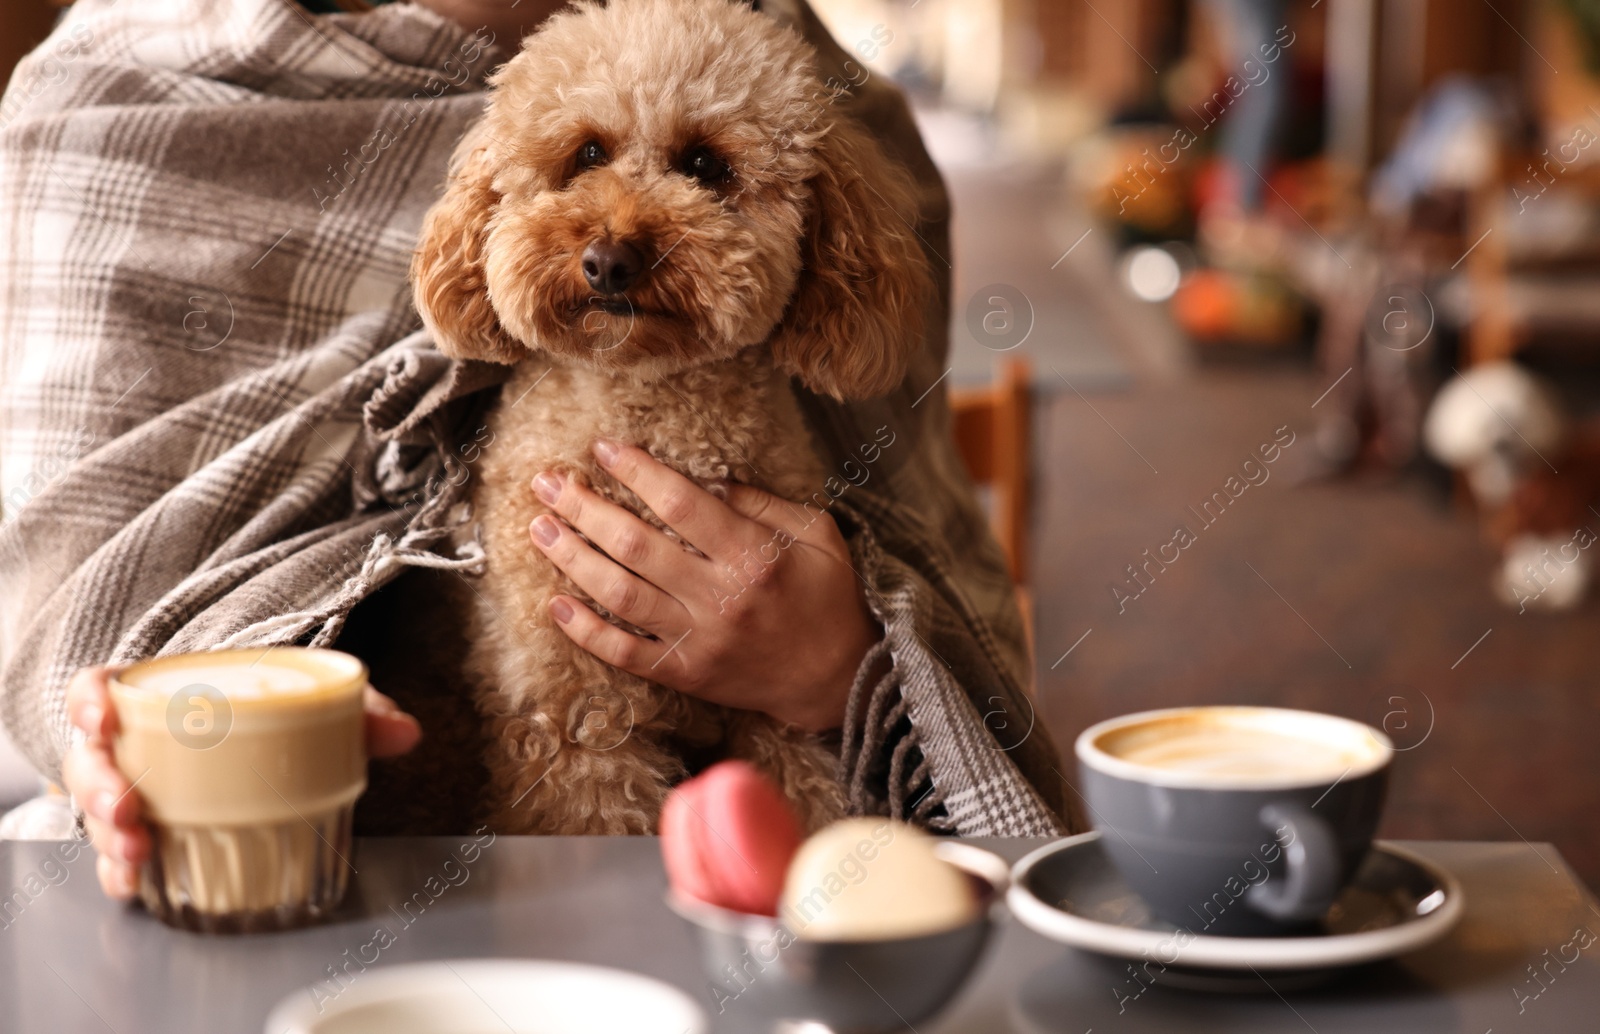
249	763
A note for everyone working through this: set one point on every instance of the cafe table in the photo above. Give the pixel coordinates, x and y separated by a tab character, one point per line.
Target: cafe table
72	961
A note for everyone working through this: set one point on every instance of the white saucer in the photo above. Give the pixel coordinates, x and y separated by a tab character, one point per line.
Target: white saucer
1070	892
492	996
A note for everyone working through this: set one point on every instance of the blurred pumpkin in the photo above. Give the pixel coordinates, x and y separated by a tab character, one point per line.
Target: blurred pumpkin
1216	305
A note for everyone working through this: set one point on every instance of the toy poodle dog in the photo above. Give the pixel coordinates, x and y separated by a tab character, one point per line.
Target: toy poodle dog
660	219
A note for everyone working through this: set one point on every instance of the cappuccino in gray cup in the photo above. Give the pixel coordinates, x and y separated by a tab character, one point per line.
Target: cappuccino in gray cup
1235	821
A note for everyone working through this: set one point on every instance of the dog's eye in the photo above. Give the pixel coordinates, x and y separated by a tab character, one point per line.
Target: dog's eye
590	155
706	167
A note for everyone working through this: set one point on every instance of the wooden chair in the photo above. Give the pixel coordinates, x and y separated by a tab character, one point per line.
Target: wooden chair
993	431
1526	289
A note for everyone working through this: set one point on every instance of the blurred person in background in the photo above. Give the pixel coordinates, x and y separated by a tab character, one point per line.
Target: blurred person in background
1249	32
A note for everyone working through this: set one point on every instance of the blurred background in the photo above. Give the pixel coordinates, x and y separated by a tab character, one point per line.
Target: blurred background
1276	349
1188	229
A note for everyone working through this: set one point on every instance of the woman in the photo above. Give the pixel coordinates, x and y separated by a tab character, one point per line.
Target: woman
218	425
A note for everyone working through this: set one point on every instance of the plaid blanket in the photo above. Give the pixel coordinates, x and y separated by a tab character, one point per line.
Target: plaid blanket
221	425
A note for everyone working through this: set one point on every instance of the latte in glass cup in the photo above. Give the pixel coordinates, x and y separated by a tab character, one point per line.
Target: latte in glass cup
249	763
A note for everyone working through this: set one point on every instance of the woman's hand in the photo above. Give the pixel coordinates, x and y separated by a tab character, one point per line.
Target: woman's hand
113	813
771	618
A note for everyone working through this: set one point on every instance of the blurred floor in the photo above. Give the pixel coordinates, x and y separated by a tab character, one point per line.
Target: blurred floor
1353	598
1017	230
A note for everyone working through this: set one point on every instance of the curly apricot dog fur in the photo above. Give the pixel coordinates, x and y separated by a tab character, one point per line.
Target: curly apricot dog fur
661	218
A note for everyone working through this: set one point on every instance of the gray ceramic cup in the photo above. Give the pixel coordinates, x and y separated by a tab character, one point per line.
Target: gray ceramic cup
1235	821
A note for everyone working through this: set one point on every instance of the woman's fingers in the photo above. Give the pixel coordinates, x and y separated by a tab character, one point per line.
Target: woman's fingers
119	880
99	787
111	807
128	846
701	518
390	731
111	811
611	584
785	521
620	649
640	547
89	703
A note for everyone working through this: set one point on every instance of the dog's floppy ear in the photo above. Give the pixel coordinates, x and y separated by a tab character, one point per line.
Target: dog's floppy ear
447	275
857	315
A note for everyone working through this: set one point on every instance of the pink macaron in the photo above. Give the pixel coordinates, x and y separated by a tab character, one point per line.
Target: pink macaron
727	837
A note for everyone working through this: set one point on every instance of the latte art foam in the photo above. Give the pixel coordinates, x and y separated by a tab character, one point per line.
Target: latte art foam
1240	753
234	681
1223	747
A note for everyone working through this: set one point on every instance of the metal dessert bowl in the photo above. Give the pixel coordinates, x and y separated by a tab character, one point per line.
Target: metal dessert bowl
756	966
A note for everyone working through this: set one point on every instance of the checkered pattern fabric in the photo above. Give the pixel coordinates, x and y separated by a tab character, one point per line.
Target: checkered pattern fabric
220	425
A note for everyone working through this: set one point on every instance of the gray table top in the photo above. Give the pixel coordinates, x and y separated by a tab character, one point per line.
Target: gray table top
72	961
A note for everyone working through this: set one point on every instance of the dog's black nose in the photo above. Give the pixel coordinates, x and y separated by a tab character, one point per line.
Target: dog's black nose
611	267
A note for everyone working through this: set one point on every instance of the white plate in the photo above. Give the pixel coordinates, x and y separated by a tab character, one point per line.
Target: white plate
1070	892
493	996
